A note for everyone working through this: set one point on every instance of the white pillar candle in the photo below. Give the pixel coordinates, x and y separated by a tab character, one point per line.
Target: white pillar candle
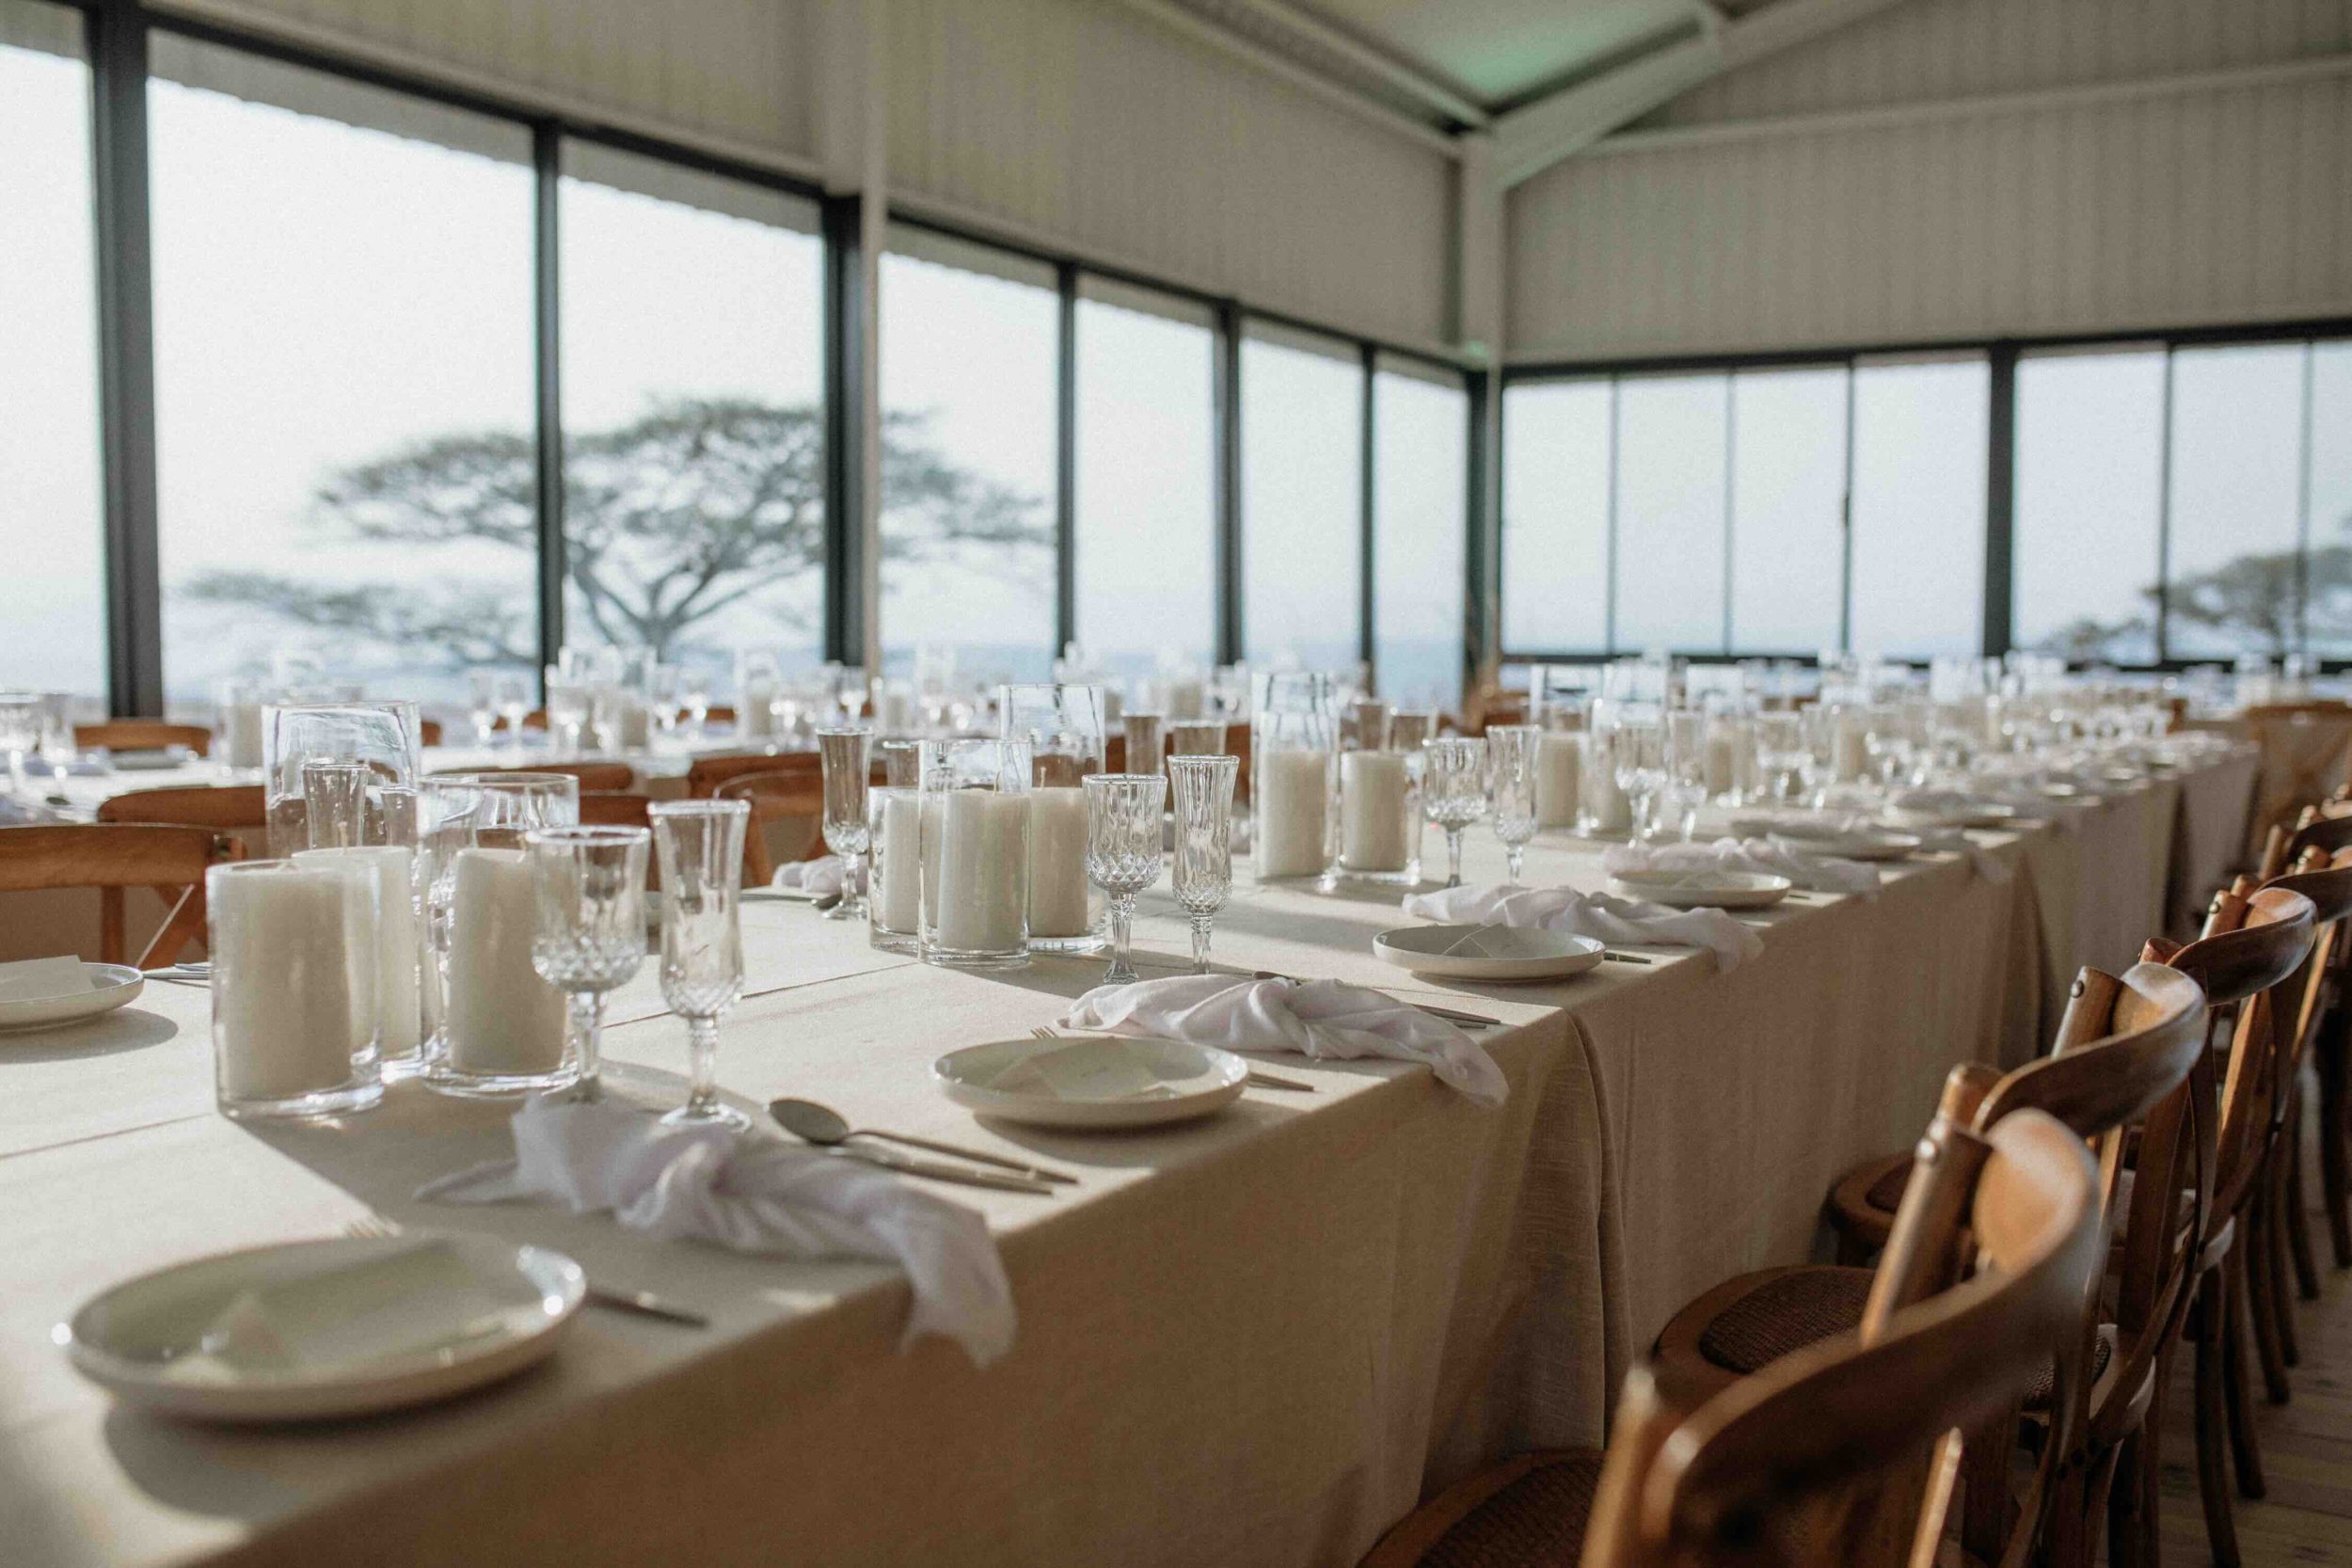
241	742
281	982
1559	768
753	716
636	723
1293	802
1610	811
503	1018
898	885
398	1003
1057	864
1721	764
1375	797
975	863
1851	756
897	711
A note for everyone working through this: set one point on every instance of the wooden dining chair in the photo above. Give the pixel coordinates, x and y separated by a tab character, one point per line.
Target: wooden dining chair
1846	1453
2306	751
604	777
607	808
704	775
429	731
239	809
795	796
111	857
142	734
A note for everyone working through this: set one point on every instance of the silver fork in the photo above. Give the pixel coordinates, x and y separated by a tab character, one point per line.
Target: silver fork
1258	1079
644	1303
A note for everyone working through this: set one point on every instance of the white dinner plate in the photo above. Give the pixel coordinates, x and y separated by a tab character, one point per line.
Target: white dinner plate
157	760
1096	1080
1703	889
111	986
325	1329
1499	955
1853	844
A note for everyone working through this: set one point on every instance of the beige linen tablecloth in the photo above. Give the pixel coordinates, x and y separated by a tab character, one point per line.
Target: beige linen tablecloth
1257	1339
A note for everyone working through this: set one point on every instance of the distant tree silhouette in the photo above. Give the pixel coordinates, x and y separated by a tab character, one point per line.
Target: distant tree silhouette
669	521
2249	599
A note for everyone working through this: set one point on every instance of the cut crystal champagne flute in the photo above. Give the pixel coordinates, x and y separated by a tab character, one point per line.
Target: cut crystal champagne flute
1453	791
1510	763
589	885
1202	871
849	831
1637	759
513	705
700	844
1124	818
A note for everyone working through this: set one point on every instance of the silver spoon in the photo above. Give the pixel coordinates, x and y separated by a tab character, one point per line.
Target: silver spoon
823	1126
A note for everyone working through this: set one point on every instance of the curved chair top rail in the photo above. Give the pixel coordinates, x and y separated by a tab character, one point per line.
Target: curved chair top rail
2236	964
234	806
2154	1018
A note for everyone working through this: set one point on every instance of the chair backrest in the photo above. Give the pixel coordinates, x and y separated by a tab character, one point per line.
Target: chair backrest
111	857
237	808
604	808
143	735
2266	1045
1849	1451
2124	1043
429	731
2306	748
603	776
2252	944
798	792
706	774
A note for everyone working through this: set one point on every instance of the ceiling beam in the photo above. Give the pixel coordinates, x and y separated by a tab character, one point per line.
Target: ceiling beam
1363	56
1537	135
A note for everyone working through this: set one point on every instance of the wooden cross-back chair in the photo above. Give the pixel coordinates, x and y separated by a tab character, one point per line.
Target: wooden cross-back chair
238	809
704	775
142	734
605	777
2306	748
798	794
111	857
1844	1453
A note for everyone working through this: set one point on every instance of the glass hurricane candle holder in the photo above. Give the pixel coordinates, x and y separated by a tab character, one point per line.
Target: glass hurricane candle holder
293	944
975	833
387	739
1062	726
1293	741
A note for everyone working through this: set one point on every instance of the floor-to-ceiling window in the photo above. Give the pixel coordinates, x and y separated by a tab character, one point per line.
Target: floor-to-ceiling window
1301	498
1556	483
343	396
2089	500
969	349
1789	474
1672	525
1917	518
50	529
2328	502
1146	533
1421	530
2234	522
693	314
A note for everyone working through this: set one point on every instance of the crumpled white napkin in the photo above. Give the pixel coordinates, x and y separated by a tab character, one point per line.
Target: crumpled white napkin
1591	914
753	1195
1752	856
1328	1019
819	878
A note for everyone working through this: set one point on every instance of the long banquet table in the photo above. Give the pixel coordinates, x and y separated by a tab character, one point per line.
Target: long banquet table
1256	1339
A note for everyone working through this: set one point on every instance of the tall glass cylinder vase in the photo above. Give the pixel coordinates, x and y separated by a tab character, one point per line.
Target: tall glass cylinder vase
1062	726
1380	835
295	1032
976	853
1294	752
387	739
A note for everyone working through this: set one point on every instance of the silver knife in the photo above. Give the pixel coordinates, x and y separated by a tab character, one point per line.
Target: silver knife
940	1170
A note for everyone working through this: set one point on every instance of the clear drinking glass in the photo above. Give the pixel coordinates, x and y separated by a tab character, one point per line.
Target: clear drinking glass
334	803
499	1027
1453	791
1062	724
902	763
482	704
1511	765
1146	746
665	685
1200	790
385	737
1124	827
293	952
700	844
848	831
974	816
589	887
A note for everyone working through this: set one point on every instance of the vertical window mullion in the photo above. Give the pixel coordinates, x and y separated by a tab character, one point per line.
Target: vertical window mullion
1225	389
2164	515
1066	462
1609	623
845	382
1845	536
2000	502
1366	606
2303	511
548	371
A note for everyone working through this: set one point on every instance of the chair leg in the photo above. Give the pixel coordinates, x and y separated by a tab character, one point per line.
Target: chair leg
2252	1252
2212	1421
2244	1447
2332	1054
2297	1209
2123	1521
2276	1227
1987	1511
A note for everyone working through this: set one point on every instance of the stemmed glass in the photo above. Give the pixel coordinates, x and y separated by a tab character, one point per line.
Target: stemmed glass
849	831
20	733
1637	759
511	695
1123	812
482	704
1454	792
567	713
664	684
1685	787
1781	756
1201	873
589	885
1511	762
701	847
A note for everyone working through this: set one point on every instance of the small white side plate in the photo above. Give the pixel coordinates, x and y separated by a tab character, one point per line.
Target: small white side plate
1697	890
158	760
326	1329
1097	1081
1499	955
1861	844
111	986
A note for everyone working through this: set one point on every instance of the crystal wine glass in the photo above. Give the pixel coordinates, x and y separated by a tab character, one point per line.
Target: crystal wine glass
1201	873
20	733
567	713
701	847
590	888
1123	812
1453	791
849	831
513	705
482	704
1685	787
1637	758
1511	762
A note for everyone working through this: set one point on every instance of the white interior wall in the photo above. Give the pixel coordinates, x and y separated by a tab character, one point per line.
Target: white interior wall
1960	168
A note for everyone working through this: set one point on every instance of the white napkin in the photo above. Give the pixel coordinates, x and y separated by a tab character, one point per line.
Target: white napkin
819	878
1591	914
39	979
1315	1018
753	1195
1752	857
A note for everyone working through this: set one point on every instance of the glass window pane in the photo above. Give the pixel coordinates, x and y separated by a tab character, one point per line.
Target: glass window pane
1670	512
1301	500
1556	516
1146	536
694	416
968	352
1788	509
1420	528
2088	508
51	510
2237	435
2328	618
1918	508
342	377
